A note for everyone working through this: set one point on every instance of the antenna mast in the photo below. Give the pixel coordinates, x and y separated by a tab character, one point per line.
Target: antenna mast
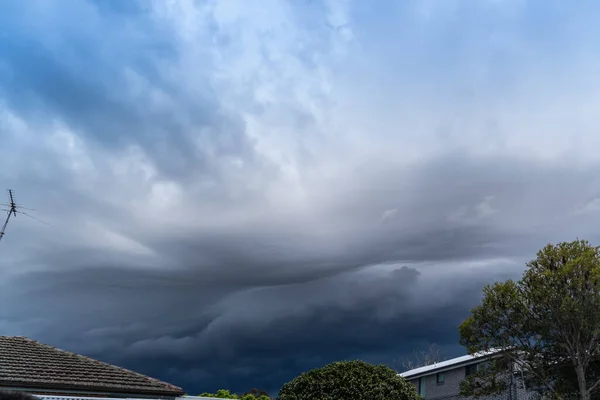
12	210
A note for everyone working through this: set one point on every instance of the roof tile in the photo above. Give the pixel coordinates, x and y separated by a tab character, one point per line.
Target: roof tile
27	363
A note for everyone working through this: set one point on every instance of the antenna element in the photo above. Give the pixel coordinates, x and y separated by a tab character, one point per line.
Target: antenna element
12	210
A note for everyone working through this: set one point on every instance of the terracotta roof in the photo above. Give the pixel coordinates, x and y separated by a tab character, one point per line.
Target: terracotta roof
27	363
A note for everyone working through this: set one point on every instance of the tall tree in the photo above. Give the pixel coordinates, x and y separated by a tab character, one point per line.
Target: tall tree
547	324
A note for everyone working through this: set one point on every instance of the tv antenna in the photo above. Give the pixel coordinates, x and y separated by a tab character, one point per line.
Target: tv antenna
14	209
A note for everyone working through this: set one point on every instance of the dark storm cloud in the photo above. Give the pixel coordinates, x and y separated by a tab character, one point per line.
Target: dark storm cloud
226	308
159	322
230	203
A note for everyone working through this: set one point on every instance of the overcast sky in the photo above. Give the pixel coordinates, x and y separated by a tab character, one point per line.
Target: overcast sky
239	191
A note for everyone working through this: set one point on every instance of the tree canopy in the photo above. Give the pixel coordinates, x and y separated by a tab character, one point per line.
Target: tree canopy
547	324
253	394
343	380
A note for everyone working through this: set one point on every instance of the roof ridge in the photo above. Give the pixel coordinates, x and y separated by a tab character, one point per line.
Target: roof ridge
111	366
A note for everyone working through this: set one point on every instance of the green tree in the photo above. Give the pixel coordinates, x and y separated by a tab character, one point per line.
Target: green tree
547	324
221	394
343	380
255	394
250	396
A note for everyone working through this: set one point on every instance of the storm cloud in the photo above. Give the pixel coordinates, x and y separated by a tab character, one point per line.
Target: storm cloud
235	193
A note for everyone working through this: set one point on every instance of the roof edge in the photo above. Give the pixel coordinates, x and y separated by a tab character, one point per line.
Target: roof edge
92	389
447	364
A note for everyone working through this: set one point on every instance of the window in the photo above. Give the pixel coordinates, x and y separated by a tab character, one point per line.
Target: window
470	369
440	378
422	386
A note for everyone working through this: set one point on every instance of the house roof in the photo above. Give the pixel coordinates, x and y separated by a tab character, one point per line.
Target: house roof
26	363
445	365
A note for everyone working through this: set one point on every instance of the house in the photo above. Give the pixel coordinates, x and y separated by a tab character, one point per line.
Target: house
442	380
51	373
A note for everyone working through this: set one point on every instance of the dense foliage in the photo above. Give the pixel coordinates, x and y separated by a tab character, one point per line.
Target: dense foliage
547	324
356	380
254	394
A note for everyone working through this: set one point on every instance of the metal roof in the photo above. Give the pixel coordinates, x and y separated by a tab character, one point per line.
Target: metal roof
444	365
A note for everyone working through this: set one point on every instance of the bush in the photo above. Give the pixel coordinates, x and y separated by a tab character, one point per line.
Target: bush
226	394
255	393
221	394
344	380
252	397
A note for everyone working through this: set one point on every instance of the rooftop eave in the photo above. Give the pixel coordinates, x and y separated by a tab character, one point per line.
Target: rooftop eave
446	365
40	386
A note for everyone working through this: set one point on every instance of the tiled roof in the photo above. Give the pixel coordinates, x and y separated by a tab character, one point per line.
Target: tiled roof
27	363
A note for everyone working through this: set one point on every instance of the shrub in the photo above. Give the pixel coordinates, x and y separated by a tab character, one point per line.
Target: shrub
221	394
253	397
226	394
344	380
259	394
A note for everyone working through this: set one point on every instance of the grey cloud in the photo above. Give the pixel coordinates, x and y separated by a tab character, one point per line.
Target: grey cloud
236	289
128	317
349	234
187	134
218	263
